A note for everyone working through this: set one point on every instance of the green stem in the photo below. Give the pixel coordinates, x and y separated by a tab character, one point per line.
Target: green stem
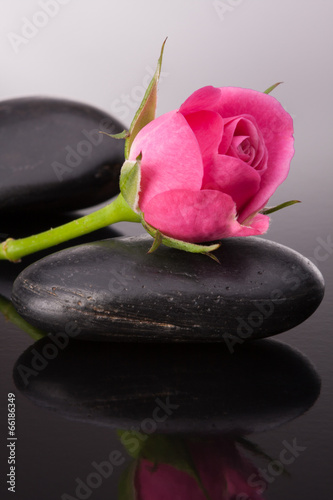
117	211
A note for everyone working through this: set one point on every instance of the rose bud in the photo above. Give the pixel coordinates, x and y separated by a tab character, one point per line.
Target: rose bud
197	469
208	168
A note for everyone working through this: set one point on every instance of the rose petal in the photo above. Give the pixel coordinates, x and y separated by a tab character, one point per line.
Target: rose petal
207	127
228	133
259	225
223	470
165	482
244	126
171	157
233	177
193	216
206	98
230	126
276	127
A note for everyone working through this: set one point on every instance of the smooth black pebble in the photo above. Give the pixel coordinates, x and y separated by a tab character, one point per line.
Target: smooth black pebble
53	157
114	290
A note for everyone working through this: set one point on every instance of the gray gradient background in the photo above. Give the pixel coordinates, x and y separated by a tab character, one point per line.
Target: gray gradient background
97	51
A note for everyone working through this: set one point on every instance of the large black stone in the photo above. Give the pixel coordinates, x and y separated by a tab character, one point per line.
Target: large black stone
113	290
205	387
52	156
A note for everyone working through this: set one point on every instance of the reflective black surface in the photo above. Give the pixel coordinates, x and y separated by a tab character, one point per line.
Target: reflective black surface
68	414
245	394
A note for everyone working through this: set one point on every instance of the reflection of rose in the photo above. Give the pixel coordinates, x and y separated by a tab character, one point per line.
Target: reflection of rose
209	167
213	469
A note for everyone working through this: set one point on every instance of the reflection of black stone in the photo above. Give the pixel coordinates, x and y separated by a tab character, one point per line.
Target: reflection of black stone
115	291
260	386
25	224
53	157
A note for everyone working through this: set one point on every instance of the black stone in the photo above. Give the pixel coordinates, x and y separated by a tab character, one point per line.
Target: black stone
52	156
262	385
113	290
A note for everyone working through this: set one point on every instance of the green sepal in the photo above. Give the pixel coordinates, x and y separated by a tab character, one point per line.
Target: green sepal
130	180
139	441
121	135
126	486
157	449
168	450
272	87
256	450
147	108
179	244
270	210
253	448
157	242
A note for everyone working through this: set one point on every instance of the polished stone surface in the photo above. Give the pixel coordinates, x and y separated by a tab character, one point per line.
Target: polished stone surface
114	290
53	157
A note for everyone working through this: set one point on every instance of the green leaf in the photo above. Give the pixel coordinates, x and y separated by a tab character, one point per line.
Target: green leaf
130	179
256	450
269	90
270	210
181	245
147	109
126	487
121	135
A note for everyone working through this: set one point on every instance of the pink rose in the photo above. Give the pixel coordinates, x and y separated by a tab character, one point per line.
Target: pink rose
209	167
223	473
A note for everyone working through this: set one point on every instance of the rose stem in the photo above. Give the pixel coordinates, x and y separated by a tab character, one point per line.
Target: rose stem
117	211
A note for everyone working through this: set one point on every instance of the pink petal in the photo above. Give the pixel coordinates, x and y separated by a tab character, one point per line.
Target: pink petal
230	125
207	127
164	482
206	98
259	225
276	127
246	127
223	470
171	157
233	177
229	132
192	216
